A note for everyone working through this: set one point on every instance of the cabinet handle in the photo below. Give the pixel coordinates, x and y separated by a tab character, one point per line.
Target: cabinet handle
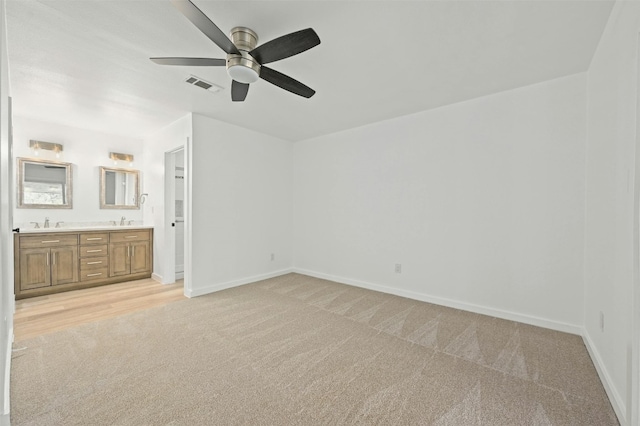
51	241
94	275
94	263
128	248
94	239
47	259
54	258
94	251
131	236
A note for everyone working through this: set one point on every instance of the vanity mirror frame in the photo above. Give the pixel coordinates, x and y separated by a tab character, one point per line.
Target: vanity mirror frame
103	189
68	187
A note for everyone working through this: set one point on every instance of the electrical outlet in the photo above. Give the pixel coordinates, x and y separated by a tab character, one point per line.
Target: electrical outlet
601	321
398	268
273	257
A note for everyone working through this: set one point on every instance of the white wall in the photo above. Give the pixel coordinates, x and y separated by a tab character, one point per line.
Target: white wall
609	258
240	205
87	150
481	202
6	241
164	140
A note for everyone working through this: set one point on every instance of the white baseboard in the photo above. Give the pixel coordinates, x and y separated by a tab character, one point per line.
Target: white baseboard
478	309
159	278
235	283
618	404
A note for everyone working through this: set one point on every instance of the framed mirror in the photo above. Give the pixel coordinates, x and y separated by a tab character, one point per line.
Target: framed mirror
44	184
119	188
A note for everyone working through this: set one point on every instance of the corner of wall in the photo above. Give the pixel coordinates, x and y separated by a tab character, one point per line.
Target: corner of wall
617	402
235	283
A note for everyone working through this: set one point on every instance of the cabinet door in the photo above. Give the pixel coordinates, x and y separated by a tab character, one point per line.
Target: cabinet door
140	257
34	268
64	265
119	263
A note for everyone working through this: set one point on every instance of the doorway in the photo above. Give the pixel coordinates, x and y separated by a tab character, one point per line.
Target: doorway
179	192
174	215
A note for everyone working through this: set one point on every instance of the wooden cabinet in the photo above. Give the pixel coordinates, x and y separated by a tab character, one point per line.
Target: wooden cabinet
64	265
140	257
120	259
48	265
52	262
34	268
129	253
129	258
94	256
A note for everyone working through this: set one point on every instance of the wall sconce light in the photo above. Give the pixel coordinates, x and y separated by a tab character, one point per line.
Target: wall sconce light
116	156
36	146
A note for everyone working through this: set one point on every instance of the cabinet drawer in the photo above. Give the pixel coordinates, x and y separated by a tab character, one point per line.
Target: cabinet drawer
88	251
94	274
53	240
93	263
120	237
102	238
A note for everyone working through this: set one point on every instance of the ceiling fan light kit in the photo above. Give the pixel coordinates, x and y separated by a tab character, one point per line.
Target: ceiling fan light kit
243	68
245	62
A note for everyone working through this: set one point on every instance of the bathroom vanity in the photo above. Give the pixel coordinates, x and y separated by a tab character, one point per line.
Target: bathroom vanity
55	260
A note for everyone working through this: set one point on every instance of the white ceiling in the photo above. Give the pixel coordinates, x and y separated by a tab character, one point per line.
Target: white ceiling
85	63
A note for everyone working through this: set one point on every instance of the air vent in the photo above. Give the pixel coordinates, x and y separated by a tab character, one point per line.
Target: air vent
197	81
202	84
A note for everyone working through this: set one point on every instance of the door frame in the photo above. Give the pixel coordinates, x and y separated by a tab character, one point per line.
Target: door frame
7	296
169	249
169	271
633	398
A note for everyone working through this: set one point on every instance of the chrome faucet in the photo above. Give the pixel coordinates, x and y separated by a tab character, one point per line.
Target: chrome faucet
37	225
58	224
122	220
46	222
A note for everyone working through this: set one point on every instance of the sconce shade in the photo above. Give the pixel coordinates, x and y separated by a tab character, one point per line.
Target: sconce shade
49	146
117	156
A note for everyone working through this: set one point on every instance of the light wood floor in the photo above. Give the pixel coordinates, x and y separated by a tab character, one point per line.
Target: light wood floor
45	314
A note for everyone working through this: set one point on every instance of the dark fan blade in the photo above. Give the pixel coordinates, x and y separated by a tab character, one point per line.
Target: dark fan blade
286	82
238	91
205	25
285	46
192	62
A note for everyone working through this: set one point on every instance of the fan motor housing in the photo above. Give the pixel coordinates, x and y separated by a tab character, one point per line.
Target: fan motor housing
243	67
244	38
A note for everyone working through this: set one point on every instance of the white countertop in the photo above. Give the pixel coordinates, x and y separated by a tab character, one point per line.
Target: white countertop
83	228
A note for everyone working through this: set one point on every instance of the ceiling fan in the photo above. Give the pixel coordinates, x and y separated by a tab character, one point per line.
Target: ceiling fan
245	62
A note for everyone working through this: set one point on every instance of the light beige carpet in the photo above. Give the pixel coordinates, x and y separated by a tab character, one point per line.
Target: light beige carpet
299	350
